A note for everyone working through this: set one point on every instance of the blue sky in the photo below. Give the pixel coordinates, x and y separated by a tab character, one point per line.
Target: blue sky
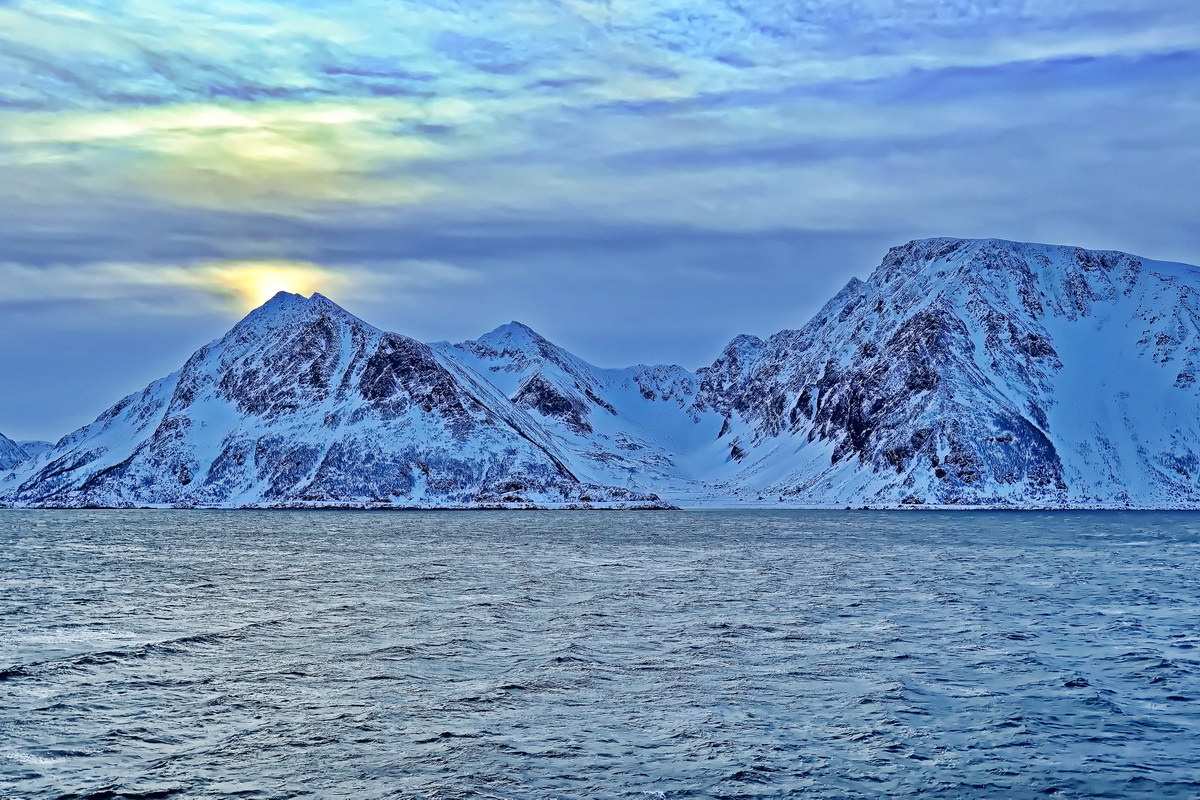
639	181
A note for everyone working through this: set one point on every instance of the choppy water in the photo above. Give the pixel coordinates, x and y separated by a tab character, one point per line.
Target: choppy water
599	655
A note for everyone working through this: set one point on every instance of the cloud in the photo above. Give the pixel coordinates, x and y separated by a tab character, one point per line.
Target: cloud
238	154
237	285
254	106
639	179
256	49
249	284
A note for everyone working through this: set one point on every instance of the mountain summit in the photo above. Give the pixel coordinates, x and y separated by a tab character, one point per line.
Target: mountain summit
959	373
304	404
978	372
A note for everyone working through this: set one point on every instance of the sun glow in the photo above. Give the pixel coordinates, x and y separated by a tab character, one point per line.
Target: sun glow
249	284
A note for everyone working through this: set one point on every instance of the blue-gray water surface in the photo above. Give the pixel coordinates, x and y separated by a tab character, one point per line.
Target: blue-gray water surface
599	655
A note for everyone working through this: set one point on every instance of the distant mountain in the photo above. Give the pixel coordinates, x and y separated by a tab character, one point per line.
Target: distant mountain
11	453
637	427
35	447
305	405
960	373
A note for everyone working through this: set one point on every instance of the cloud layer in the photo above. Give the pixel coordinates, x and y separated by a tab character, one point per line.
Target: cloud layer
687	170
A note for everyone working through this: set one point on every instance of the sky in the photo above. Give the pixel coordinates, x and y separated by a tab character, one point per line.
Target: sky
638	180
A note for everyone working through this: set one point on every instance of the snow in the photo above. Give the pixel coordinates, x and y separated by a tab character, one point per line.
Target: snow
35	447
303	404
1036	360
960	373
11	453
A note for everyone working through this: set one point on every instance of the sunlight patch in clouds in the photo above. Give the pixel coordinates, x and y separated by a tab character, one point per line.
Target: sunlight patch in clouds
252	106
241	285
242	154
834	115
249	284
235	286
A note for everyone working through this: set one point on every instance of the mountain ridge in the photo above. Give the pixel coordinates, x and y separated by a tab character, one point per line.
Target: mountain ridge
11	453
960	373
951	342
302	404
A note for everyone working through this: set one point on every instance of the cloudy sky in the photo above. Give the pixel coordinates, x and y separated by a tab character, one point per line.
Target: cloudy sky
639	180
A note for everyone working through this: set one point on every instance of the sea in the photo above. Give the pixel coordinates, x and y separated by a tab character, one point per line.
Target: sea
539	655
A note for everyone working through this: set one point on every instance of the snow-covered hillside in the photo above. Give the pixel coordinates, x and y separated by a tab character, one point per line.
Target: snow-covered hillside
35	447
961	372
977	372
302	404
637	427
11	453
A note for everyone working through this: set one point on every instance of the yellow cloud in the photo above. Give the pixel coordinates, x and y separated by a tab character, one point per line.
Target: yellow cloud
243	284
249	284
239	285
246	155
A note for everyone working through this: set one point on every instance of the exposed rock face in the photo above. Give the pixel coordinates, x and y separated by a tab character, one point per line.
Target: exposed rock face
979	372
635	427
302	404
540	395
961	372
11	453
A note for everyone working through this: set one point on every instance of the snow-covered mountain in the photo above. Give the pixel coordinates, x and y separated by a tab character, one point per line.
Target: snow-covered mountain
976	372
303	404
638	427
961	372
35	447
11	453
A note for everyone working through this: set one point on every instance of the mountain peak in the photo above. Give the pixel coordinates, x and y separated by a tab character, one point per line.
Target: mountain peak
960	372
283	299
287	309
948	261
941	248
281	305
516	337
512	330
919	251
936	242
1000	263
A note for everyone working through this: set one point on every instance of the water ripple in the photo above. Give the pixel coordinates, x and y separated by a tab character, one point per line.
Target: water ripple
576	655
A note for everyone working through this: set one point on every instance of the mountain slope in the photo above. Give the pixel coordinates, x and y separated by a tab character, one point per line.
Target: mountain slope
35	447
960	373
976	372
11	453
638	426
302	404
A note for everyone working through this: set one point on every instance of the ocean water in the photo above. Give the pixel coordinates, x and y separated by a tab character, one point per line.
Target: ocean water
599	655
